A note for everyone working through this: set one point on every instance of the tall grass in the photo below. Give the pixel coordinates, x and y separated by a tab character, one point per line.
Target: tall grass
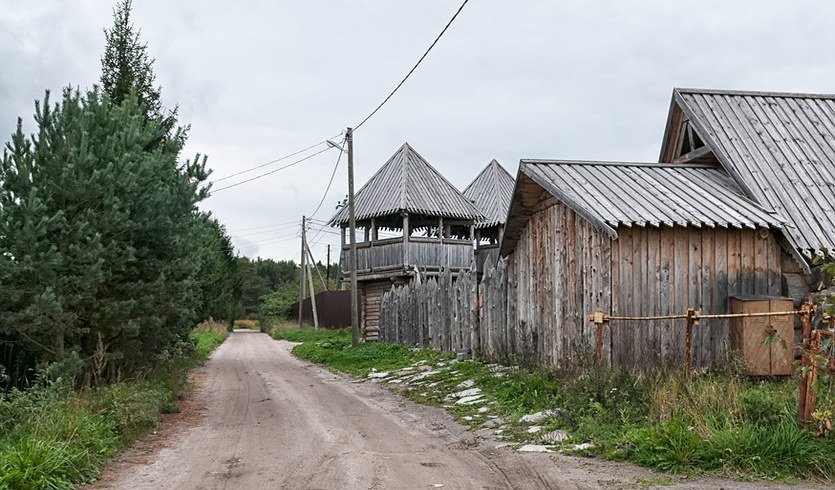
54	437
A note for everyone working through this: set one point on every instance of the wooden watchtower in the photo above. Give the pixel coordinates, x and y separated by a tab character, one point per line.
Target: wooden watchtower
491	192
410	220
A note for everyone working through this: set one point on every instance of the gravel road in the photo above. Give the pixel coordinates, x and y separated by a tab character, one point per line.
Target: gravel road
273	421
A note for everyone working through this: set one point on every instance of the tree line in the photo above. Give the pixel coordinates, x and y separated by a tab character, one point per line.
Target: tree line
106	260
270	288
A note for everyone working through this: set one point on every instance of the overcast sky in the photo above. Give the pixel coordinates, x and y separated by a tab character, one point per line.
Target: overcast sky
258	79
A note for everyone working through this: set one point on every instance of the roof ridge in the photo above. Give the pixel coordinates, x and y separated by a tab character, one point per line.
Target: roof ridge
602	163
754	93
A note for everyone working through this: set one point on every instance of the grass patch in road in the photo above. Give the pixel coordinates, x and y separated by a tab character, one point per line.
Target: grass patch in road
717	423
55	437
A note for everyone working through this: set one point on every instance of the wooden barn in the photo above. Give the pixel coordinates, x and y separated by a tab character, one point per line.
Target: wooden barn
634	239
411	221
491	192
779	148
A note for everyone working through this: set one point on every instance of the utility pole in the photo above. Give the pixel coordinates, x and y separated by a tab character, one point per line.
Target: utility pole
302	272
352	223
328	270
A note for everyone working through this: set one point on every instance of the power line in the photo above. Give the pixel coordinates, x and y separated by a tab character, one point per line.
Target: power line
414	67
271	171
276	230
330	182
285	157
265	226
285	238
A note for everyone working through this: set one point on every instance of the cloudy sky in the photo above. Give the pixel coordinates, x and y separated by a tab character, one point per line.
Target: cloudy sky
259	79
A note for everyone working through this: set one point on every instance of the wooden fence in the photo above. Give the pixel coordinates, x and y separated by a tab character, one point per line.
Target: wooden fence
450	314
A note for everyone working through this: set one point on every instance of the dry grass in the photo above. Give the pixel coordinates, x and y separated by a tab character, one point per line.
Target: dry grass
248	324
676	396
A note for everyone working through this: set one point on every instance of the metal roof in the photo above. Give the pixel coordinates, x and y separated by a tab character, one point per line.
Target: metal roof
780	147
491	191
614	194
408	183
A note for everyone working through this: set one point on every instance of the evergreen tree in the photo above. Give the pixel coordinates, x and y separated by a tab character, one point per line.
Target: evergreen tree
97	232
126	66
104	254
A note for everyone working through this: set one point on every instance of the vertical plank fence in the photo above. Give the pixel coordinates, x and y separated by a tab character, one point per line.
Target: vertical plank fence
444	313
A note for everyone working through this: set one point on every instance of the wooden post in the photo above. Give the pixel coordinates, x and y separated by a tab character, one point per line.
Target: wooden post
310	284
406	233
374	234
328	270
599	320
352	220
804	410
302	272
692	318
340	276
812	377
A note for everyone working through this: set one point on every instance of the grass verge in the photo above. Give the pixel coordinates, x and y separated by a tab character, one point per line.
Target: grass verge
55	437
333	349
719	422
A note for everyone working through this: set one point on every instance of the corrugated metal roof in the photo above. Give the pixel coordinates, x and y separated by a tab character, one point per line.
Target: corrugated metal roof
613	194
491	191
408	183
781	149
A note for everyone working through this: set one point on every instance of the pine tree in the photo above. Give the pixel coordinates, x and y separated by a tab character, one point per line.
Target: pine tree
104	255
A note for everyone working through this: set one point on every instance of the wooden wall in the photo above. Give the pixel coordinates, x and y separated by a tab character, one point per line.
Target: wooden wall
557	276
371	296
563	269
663	271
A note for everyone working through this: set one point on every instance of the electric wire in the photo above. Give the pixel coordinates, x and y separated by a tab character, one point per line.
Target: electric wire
271	162
271	171
276	230
419	61
264	226
330	182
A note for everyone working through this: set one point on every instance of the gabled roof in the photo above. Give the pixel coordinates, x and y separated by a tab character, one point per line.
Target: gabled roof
491	191
779	147
614	194
408	183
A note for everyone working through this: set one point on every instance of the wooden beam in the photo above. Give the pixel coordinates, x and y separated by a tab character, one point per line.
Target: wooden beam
694	155
406	233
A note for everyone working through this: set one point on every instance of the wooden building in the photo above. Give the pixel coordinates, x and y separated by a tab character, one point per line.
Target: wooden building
632	239
779	148
491	192
411	221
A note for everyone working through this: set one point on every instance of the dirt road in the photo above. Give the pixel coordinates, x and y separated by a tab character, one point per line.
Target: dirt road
273	421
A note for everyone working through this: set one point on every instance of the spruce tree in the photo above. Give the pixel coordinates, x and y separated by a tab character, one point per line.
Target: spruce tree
126	66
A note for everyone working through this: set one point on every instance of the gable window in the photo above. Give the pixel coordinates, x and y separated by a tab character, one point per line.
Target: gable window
688	140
